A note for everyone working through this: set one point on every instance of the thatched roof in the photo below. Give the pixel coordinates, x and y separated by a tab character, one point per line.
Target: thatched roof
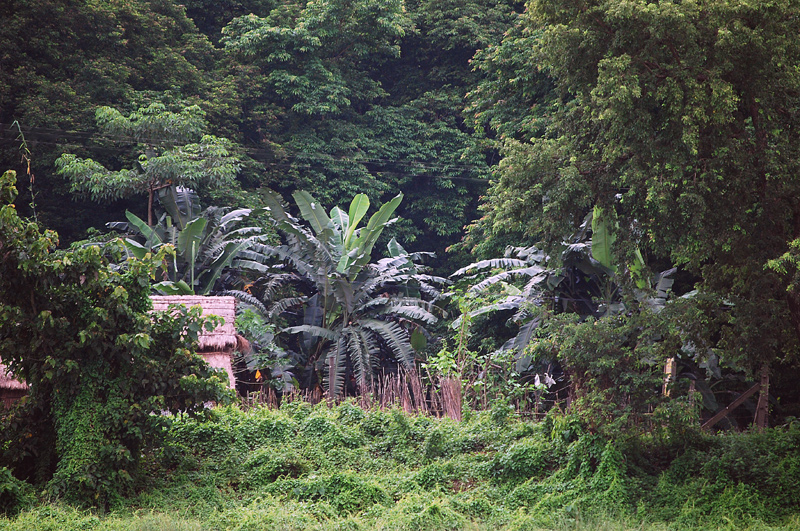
222	338
7	380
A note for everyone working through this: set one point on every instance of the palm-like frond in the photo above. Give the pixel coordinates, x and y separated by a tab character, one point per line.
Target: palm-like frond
512	302
413	312
493	263
316	331
246	298
361	353
395	337
284	304
529	271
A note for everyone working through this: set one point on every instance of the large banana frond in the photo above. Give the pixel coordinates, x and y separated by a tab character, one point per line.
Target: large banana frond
395	337
148	232
312	211
284	304
361	355
212	271
181	203
336	361
358	209
340	219
493	263
505	275
361	247
413	312
233	217
509	303
343	291
316	331
246	298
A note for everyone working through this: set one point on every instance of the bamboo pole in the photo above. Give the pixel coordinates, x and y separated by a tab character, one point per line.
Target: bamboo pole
762	409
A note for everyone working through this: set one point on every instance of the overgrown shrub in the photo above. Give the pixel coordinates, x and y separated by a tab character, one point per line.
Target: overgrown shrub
14	494
99	367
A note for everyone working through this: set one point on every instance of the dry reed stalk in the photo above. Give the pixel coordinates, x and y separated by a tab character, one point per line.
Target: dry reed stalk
451	397
387	395
418	392
314	396
434	399
366	396
405	394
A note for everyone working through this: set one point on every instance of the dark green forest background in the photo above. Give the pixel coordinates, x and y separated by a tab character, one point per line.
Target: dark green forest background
502	123
334	98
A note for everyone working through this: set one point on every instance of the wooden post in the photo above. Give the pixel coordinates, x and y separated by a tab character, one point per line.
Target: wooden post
762	409
670	372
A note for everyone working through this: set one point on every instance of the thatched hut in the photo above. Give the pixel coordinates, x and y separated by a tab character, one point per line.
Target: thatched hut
11	389
217	346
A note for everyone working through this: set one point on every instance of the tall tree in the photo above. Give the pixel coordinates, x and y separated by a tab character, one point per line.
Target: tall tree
679	120
61	59
167	159
348	97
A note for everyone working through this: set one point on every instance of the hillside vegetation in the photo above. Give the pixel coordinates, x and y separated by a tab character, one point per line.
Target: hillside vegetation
312	467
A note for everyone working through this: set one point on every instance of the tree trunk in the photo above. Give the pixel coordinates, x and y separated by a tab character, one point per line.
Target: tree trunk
150	207
762	409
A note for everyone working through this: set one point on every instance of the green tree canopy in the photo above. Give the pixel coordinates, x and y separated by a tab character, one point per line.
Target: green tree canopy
167	160
678	119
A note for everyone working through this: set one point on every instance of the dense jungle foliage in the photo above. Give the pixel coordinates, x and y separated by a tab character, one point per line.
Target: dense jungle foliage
571	228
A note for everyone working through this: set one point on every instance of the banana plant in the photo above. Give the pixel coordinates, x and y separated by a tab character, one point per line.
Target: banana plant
348	314
580	281
204	242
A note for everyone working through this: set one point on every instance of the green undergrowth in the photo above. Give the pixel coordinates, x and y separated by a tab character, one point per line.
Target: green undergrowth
306	467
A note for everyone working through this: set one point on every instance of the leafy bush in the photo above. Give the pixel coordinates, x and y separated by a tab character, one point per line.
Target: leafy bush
389	470
97	364
14	494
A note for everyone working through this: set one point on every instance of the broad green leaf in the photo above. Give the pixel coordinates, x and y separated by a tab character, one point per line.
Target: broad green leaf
146	231
380	218
395	249
340	219
173	288
311	211
396	339
316	331
136	249
637	270
182	204
369	235
212	273
189	239
274	207
418	340
344	293
358	208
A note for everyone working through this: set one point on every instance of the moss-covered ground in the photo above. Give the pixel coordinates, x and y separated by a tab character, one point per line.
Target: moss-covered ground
306	467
